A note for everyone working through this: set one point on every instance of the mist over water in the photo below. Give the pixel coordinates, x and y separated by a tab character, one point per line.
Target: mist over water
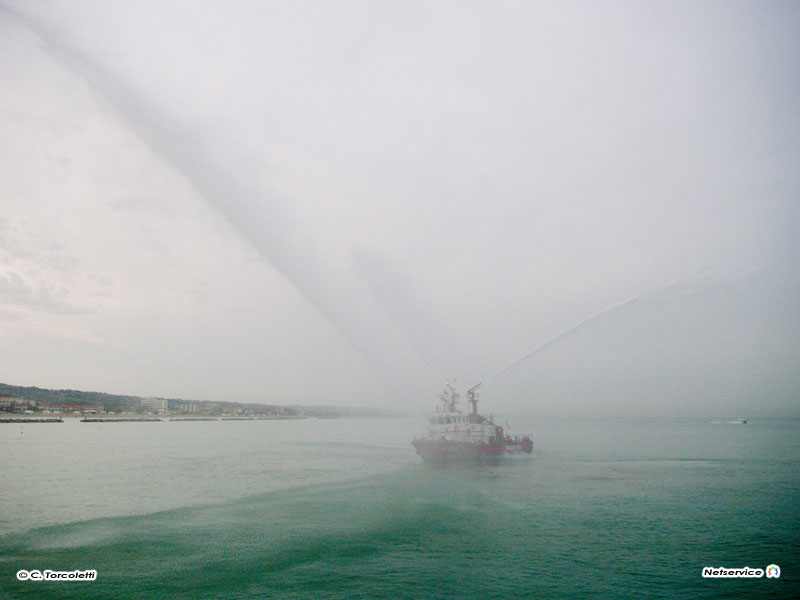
345	509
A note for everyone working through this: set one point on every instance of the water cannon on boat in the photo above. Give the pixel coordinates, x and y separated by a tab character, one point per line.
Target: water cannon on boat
472	396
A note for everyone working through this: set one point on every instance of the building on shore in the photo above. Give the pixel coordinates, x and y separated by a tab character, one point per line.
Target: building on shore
156	405
12	404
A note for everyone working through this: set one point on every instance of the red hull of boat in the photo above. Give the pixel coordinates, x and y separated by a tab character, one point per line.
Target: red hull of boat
442	451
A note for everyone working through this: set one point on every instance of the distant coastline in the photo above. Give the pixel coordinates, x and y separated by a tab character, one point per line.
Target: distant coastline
30	403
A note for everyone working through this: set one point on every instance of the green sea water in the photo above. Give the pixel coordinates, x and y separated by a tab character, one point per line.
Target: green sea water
345	509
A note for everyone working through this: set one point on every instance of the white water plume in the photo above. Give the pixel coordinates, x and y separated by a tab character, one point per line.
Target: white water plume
329	201
578	325
227	178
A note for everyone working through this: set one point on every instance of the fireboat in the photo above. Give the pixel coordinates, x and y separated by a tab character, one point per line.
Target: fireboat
457	437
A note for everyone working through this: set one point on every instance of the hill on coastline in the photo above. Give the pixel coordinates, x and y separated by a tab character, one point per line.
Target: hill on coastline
115	403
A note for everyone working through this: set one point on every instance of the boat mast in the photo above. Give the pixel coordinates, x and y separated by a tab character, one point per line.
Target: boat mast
449	398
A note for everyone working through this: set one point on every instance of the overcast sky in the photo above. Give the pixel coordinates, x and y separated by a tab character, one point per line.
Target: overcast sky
352	202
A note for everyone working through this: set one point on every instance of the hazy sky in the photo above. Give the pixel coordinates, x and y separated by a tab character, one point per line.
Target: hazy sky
351	202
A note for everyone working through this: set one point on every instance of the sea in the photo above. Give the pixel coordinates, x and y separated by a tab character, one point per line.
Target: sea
343	508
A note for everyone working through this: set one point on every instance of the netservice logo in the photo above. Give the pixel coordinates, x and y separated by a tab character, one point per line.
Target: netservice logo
773	571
